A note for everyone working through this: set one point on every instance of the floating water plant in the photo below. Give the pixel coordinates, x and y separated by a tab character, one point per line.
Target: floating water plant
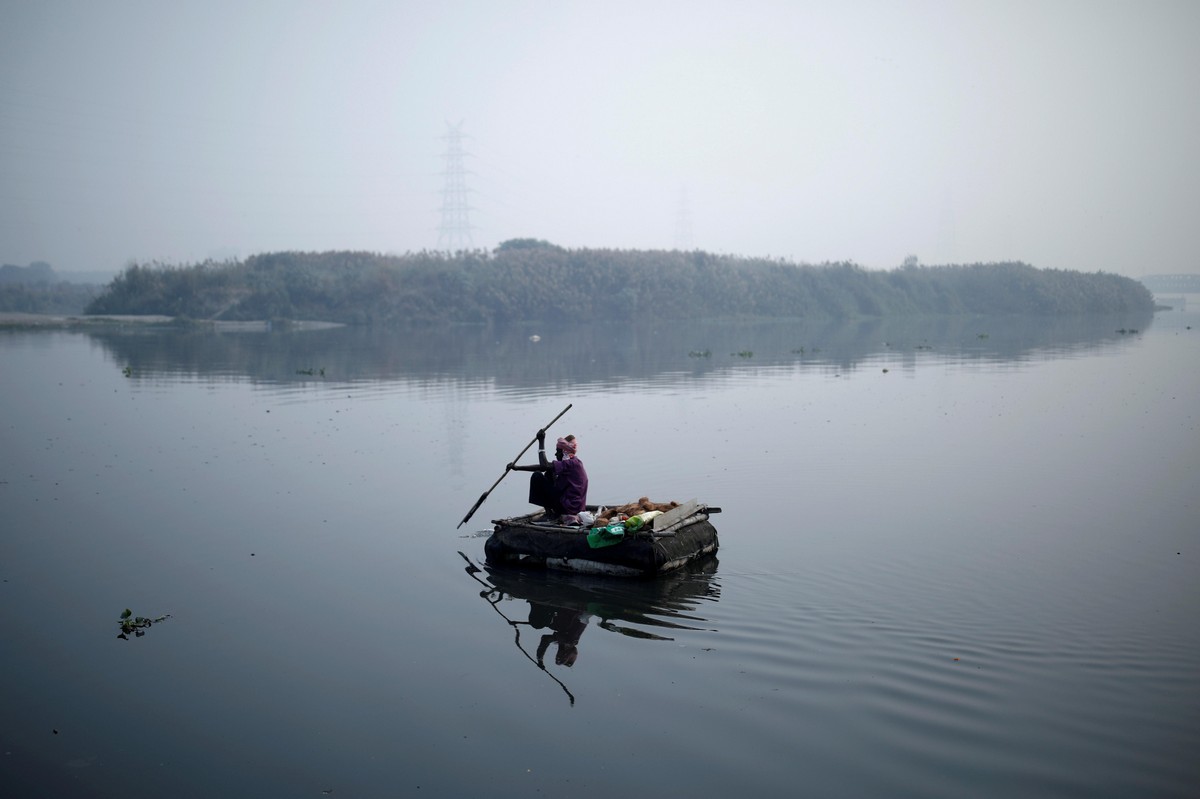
745	354
700	354
127	371
136	624
310	371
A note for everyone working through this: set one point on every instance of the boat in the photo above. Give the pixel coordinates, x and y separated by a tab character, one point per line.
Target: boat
664	544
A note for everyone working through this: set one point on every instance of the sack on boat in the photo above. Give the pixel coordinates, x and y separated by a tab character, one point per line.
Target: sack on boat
643	508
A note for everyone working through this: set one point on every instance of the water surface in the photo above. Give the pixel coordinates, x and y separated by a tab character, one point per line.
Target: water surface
958	557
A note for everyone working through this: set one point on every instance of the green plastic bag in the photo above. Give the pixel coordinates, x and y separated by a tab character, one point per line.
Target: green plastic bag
606	536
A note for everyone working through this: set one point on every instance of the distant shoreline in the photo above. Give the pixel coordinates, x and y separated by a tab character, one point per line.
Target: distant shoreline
539	282
21	320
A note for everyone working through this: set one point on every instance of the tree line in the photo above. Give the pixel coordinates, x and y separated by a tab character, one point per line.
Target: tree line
528	279
47	298
37	288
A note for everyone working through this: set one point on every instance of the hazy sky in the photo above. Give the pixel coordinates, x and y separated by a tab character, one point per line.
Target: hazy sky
1064	134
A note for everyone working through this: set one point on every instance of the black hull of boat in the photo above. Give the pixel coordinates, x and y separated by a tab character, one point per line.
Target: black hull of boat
642	554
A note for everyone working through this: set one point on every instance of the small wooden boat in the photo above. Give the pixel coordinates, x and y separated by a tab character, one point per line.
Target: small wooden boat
680	535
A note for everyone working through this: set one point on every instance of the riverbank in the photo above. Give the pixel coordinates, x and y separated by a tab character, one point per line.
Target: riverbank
10	319
14	319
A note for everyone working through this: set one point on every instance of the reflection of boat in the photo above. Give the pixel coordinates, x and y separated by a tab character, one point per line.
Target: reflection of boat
561	606
671	540
637	608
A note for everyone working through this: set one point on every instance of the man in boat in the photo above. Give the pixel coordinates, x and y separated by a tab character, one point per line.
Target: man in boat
559	485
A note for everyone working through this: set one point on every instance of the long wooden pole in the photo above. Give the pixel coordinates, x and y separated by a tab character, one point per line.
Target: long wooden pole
484	495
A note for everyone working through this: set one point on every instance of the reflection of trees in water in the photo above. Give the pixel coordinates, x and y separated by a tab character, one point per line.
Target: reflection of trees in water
600	353
558	607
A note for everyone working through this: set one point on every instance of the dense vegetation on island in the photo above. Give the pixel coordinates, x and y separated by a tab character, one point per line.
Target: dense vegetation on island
527	279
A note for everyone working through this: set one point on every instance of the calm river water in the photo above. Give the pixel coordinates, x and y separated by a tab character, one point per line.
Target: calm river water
958	558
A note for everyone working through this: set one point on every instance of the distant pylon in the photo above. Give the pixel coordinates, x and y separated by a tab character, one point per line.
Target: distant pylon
683	223
454	232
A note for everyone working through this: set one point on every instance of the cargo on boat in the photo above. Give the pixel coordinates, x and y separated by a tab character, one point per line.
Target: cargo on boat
665	543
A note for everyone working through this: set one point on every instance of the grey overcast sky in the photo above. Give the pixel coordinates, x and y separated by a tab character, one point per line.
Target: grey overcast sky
1061	133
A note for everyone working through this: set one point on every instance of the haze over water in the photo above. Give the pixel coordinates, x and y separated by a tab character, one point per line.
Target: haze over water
1060	134
958	558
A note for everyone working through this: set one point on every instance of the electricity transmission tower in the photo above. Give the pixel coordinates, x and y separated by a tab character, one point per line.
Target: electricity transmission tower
454	232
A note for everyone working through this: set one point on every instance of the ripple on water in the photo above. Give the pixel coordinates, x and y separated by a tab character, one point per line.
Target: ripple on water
1025	708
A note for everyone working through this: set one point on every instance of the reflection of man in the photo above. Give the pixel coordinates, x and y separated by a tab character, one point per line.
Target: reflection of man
566	626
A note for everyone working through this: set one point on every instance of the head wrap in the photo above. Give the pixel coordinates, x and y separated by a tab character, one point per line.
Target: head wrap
567	447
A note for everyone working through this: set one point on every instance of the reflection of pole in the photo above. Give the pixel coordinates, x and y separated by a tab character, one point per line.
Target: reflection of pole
474	570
